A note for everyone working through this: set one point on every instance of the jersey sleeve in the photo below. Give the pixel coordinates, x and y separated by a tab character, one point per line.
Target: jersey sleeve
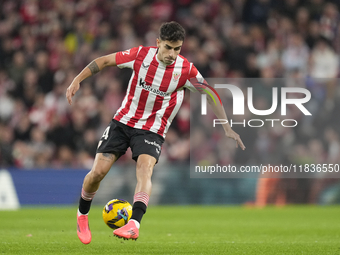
126	59
193	78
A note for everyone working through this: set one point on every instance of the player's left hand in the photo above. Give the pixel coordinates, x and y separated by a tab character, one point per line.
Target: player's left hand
233	135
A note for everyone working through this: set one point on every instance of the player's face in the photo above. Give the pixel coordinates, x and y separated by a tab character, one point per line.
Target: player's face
168	51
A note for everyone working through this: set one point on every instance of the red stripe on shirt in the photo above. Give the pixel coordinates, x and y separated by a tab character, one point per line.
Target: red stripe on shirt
159	100
137	65
184	74
167	113
151	119
173	100
150	75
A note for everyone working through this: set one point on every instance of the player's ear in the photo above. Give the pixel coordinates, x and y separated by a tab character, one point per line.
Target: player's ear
158	42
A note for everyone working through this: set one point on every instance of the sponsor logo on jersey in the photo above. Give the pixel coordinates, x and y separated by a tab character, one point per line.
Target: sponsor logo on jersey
145	66
152	90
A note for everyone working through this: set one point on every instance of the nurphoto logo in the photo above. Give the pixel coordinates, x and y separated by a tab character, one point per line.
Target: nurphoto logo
239	103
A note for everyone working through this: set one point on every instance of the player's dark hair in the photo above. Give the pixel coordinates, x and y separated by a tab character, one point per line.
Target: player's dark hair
172	32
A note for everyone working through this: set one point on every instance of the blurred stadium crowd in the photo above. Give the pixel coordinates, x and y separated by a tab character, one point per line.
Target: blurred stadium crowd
45	43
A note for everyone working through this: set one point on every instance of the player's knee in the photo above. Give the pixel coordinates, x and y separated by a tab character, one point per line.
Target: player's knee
97	175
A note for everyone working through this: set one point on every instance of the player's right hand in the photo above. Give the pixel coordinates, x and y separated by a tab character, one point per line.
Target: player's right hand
233	135
71	90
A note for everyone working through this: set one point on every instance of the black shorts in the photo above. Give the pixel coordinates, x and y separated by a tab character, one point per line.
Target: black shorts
117	138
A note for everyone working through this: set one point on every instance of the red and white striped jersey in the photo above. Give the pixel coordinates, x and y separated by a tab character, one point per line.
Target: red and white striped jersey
155	91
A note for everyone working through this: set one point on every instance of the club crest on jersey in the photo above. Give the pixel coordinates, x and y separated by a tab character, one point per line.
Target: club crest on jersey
176	76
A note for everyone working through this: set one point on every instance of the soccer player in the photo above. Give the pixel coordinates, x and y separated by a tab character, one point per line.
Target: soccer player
154	96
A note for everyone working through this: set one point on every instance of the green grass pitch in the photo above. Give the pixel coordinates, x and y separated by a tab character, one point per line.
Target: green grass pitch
178	230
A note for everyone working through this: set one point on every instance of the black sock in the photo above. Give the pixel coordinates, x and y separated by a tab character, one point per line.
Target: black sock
138	210
84	205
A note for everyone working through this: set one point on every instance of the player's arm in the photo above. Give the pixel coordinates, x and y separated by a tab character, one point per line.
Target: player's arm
220	113
94	67
194	80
